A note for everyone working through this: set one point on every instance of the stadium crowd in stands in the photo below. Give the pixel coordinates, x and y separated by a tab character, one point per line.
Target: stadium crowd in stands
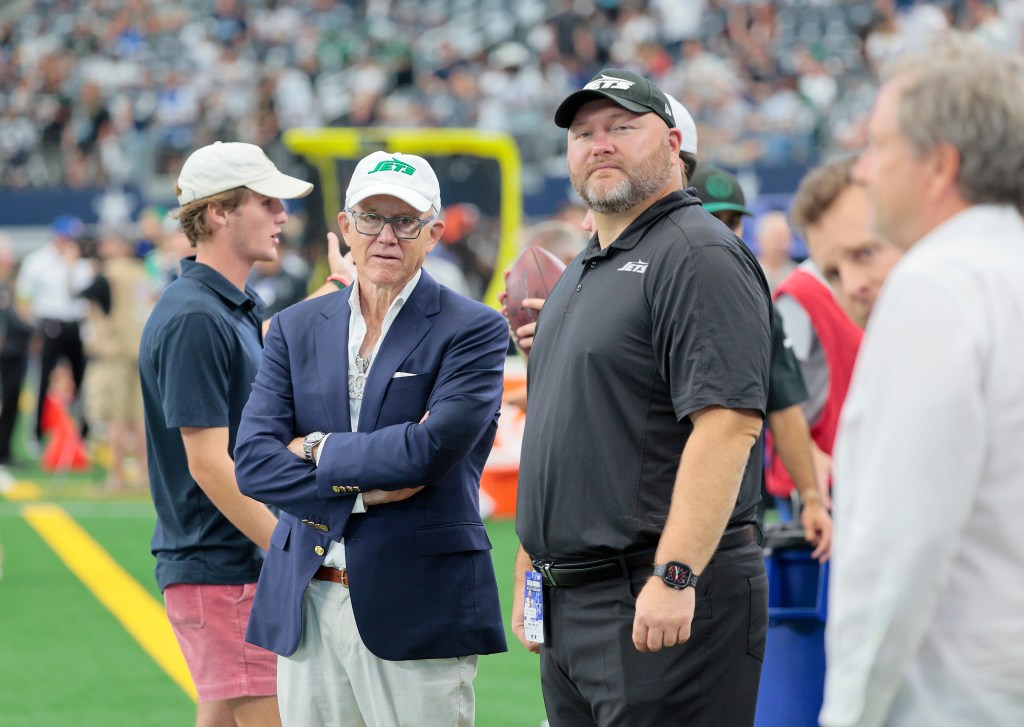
109	92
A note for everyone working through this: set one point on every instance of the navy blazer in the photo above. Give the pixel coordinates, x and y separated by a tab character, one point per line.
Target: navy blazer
421	578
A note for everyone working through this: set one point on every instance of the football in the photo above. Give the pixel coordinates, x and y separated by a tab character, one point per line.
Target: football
532	275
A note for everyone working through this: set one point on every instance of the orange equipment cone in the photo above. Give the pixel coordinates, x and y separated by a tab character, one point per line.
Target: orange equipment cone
65	450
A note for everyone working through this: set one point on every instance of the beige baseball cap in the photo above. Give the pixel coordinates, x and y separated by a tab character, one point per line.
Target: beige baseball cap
221	166
408	177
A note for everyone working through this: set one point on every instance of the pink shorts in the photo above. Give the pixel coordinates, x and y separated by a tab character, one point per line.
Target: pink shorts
209	623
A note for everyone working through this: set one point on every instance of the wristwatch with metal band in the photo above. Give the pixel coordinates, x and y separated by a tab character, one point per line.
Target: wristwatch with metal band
312	439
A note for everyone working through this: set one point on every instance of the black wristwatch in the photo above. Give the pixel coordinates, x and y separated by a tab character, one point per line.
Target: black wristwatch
312	439
676	575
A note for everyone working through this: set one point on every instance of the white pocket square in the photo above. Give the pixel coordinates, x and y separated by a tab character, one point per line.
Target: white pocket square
402	374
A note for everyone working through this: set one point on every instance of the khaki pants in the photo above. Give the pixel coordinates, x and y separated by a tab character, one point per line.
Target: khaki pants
332	680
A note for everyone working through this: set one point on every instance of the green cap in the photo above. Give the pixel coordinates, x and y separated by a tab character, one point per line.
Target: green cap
719	191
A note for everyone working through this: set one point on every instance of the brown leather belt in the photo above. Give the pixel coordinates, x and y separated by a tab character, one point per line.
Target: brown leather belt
334	575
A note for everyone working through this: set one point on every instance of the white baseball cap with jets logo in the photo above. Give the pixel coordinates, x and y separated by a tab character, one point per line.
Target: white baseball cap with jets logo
405	176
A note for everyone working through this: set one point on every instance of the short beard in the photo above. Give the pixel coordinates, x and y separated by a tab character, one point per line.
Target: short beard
650	175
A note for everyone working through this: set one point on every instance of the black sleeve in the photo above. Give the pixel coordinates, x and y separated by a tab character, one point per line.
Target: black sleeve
99	293
712	330
785	382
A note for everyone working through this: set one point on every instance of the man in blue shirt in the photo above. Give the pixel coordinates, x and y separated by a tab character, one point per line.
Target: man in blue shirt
200	352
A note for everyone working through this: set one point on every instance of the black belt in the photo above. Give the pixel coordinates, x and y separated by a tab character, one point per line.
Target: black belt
592	571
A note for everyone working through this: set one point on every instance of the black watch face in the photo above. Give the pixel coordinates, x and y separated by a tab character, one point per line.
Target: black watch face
677	573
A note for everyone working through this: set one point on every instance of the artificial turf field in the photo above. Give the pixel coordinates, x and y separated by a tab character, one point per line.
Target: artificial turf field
67	661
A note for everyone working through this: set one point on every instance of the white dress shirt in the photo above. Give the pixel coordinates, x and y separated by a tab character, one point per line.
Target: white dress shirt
51	285
926	602
356	333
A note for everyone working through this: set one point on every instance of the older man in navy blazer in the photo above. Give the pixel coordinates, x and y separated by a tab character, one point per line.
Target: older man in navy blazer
368	426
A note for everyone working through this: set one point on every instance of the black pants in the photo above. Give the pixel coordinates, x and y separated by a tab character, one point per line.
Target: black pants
61	339
12	376
592	675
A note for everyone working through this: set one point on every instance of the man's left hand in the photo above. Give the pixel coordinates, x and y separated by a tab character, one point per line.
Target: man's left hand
663	616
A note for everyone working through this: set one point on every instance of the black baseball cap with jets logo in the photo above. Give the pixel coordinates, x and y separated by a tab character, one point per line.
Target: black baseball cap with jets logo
627	89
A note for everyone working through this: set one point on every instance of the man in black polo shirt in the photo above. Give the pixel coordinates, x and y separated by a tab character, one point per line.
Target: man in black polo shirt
200	351
647	380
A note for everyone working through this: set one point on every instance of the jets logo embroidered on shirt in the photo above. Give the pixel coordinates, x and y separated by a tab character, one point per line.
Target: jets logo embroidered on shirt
605	82
638	267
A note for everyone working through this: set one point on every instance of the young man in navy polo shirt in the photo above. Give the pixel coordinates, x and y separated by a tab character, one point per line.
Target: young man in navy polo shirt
200	351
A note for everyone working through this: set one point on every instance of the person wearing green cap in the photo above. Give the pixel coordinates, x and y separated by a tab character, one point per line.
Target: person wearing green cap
722	196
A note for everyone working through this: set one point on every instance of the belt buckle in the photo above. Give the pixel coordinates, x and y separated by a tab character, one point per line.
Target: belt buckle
549	577
344	577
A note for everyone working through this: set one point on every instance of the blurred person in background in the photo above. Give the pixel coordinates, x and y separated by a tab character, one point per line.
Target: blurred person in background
561	239
446	267
572	213
721	194
150	230
927	586
823	337
15	336
833	213
826	301
48	285
447	272
460	244
121	297
276	285
170	246
773	242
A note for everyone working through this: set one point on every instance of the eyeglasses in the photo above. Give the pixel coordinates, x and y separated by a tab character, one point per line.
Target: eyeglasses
405	228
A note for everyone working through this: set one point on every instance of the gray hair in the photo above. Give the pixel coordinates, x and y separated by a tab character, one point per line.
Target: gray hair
963	93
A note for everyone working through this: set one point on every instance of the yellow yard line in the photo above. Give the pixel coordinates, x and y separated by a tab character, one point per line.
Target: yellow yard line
22	491
140	614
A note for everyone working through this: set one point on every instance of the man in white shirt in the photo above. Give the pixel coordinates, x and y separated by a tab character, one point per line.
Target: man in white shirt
926	622
48	286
